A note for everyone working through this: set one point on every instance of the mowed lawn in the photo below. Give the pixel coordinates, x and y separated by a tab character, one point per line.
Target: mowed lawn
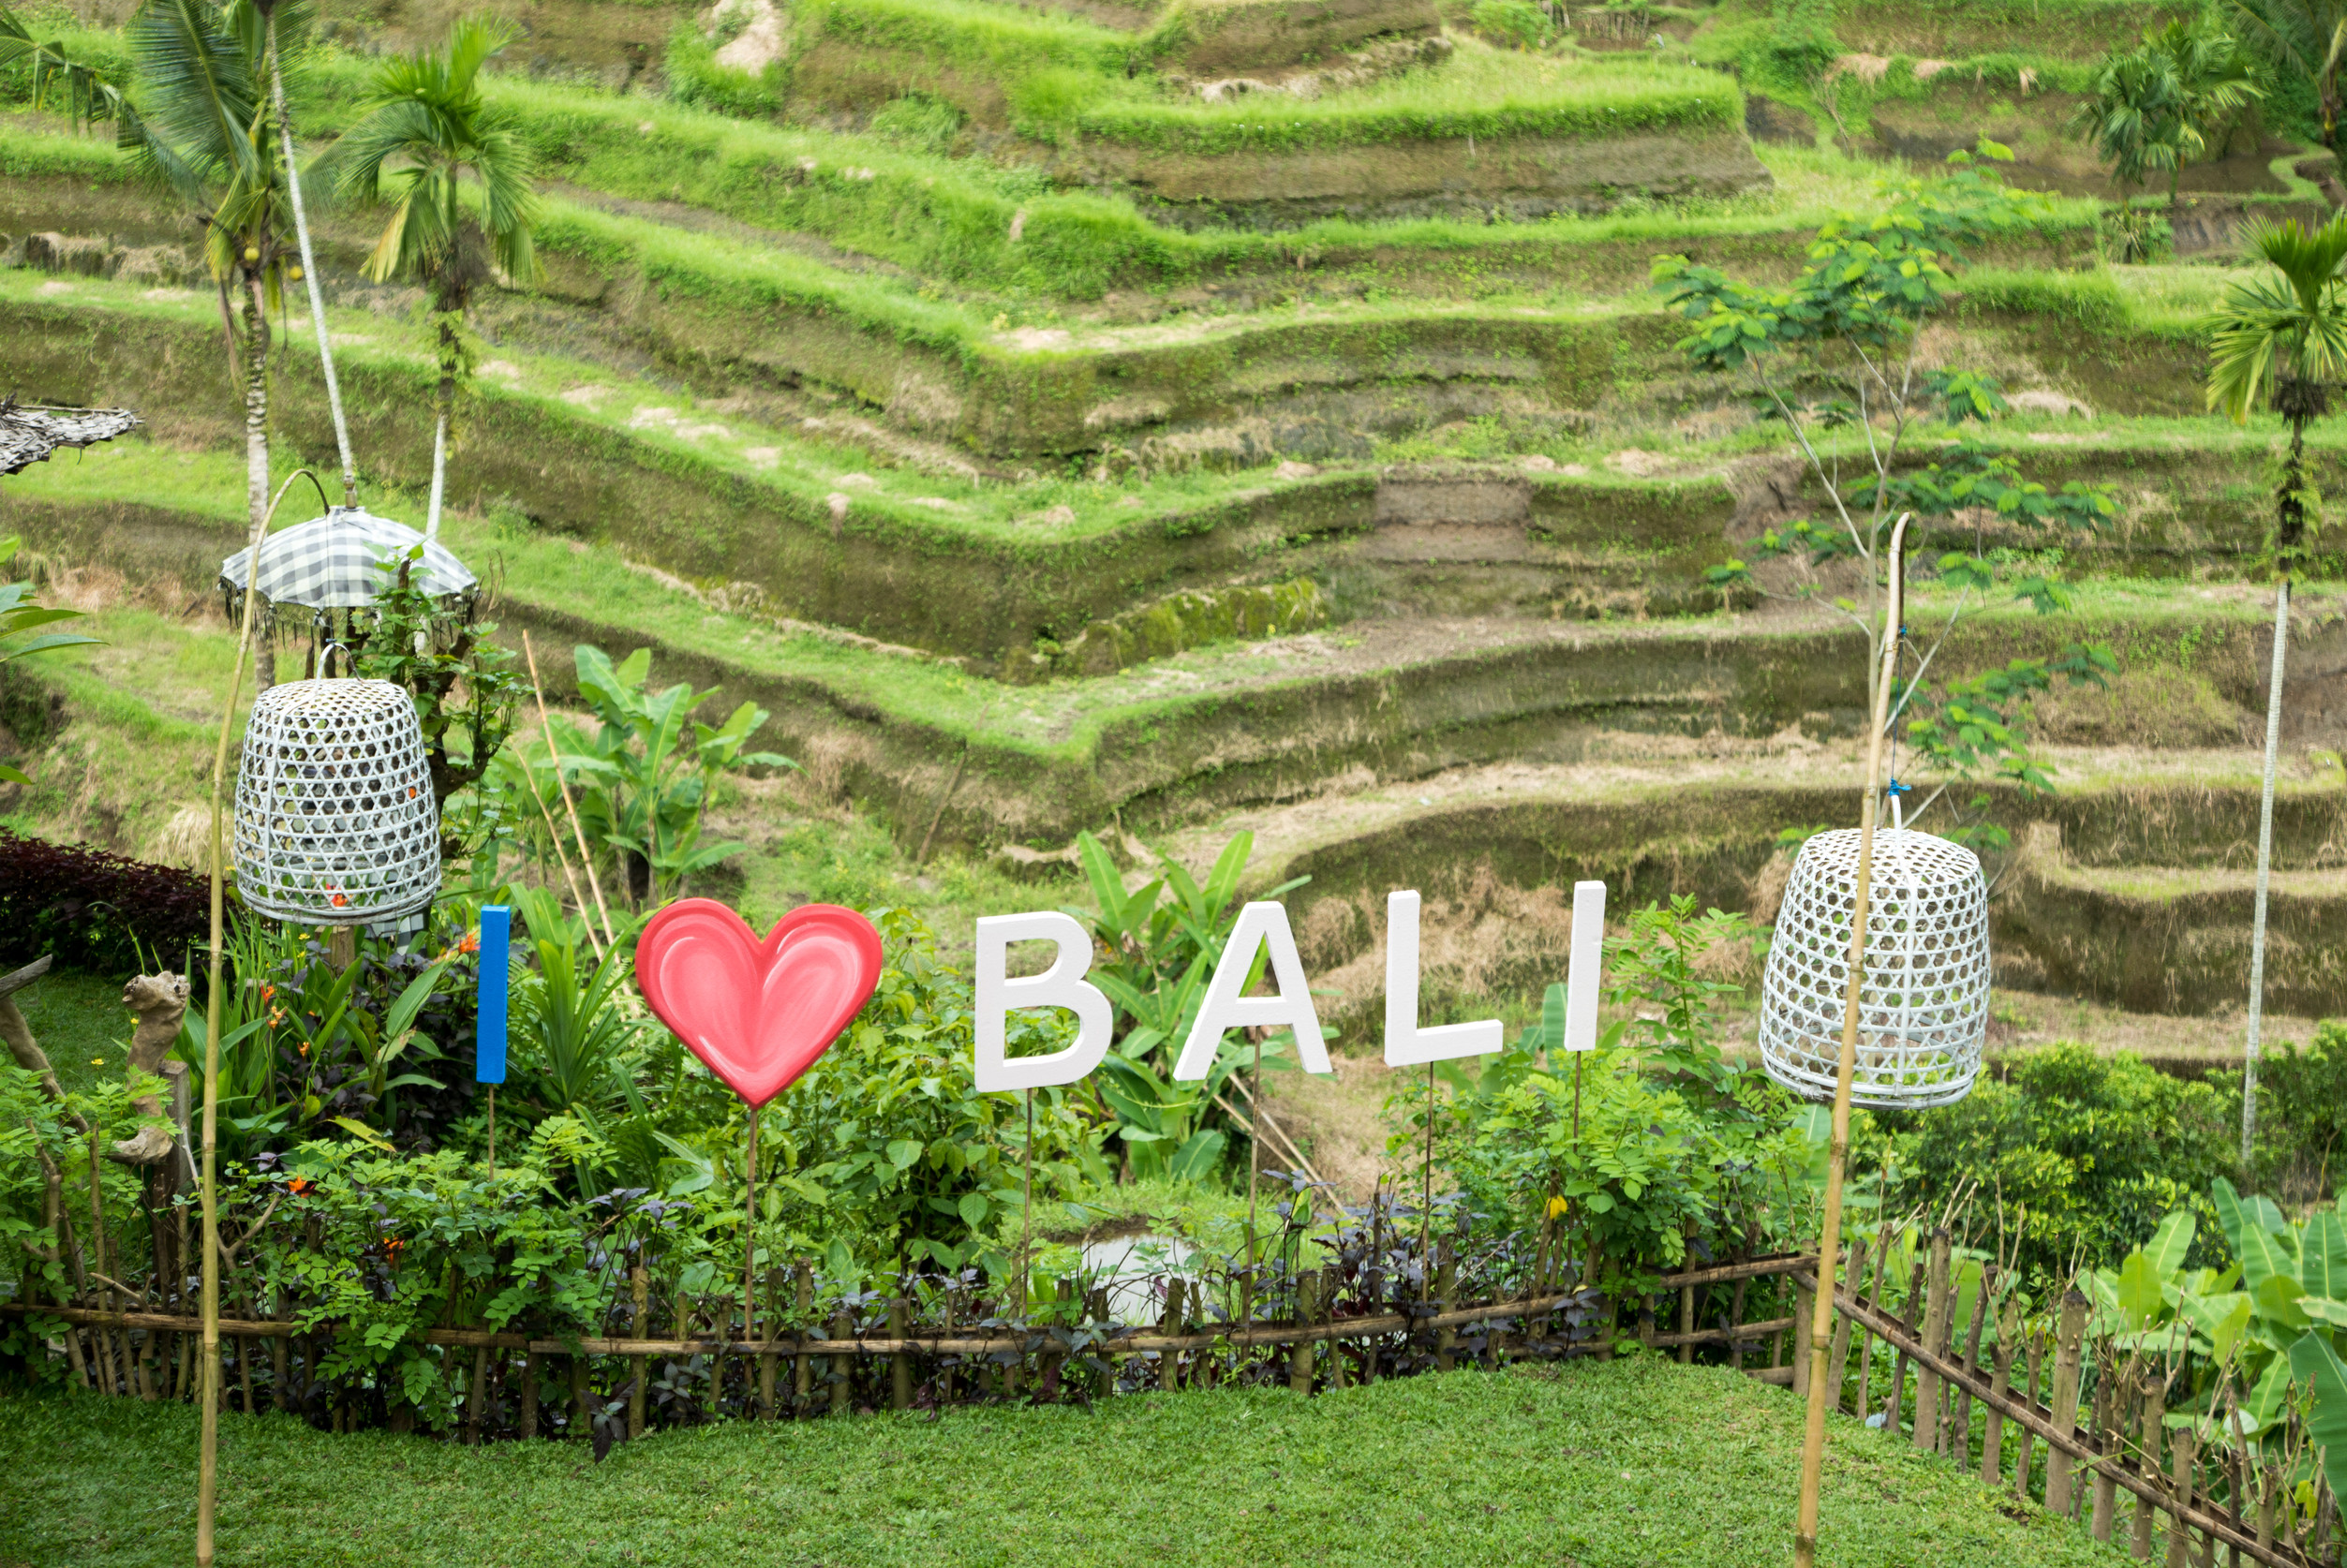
1595	1465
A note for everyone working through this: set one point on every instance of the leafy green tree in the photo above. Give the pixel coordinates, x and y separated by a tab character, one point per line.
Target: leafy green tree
2211	83
2302	39
2280	338
200	130
1834	356
459	183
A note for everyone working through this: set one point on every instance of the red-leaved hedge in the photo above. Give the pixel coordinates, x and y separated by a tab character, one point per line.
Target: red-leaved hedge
95	910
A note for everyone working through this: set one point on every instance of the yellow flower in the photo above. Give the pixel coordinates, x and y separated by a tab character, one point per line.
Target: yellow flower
98	1061
1557	1206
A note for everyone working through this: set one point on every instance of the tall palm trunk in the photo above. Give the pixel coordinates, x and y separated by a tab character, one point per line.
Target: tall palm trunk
445	400
256	407
2289	532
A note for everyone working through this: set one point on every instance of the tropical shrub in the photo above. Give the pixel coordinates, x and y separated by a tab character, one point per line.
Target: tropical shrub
2075	1153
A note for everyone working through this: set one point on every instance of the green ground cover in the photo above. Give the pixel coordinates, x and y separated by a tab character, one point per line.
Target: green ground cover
1597	1464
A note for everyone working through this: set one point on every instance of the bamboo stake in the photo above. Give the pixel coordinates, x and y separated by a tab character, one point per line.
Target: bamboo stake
1960	1447
208	1460
1837	1151
640	1298
568	804
2108	1414
2155	1407
2000	1379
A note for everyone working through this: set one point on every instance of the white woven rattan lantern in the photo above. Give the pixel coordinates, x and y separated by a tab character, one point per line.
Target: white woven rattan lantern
336	824
1922	1008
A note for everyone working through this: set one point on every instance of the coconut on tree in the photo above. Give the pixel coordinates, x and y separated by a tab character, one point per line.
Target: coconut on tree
2280	339
459	182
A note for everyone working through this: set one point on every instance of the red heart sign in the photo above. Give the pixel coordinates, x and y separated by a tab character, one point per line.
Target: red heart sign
758	1013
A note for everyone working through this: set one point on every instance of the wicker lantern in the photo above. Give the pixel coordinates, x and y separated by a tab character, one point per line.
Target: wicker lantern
335	822
1922	1008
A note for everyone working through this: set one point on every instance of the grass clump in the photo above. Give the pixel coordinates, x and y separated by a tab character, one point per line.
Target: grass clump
1606	1465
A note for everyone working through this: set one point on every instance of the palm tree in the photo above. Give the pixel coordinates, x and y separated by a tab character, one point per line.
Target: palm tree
201	131
2129	117
424	137
2306	38
2280	338
2208	83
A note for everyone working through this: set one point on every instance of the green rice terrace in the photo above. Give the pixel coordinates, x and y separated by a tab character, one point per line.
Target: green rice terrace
1129	458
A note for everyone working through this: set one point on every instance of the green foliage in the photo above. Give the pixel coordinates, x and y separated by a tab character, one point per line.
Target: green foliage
424	137
2303	43
643	778
697	81
1652	1141
1162	942
885	1154
919	124
2302	1106
21	620
465	687
1482	96
1517	24
2077	1153
62	77
574	1038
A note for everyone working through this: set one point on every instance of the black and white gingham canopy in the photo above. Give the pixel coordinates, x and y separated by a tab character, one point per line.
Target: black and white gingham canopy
334	562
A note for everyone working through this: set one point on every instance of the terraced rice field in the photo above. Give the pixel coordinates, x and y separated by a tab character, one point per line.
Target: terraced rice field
1154	419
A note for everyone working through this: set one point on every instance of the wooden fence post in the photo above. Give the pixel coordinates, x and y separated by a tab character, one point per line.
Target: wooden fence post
2109	1416
1804	1298
843	1366
2182	1453
1331	1281
1169	1361
1838	1359
2000	1384
803	1366
1910	1318
766	1358
1446	1270
2028	1439
2060	1476
900	1364
1686	1320
640	1367
581	1406
1960	1436
1300	1353
529	1394
1937	1305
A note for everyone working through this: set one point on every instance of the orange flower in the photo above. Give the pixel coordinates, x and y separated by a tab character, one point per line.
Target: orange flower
268	993
299	1186
470	943
338	900
306	1047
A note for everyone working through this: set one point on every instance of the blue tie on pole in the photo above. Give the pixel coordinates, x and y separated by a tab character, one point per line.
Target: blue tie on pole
496	934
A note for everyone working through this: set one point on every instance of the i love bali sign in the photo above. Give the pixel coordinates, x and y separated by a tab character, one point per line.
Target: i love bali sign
760	1012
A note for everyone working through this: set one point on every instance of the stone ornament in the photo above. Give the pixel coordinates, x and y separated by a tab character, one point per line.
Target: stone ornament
1923	1003
335	822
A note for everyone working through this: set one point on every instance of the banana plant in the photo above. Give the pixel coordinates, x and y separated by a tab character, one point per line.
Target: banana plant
2271	1320
21	619
643	776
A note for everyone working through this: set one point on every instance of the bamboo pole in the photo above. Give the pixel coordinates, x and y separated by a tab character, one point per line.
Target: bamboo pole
2000	1379
639	1297
2108	1414
1837	1150
2154	1406
208	1459
568	805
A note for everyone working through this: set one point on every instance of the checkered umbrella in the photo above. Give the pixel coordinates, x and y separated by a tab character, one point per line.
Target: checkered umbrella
334	562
